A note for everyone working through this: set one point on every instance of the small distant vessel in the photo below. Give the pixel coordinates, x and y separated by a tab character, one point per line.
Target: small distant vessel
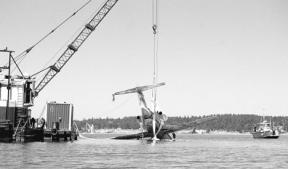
265	130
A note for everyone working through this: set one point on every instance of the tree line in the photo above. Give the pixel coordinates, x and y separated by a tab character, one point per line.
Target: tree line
226	122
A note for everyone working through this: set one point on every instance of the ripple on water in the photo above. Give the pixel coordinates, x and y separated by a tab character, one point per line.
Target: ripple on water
189	151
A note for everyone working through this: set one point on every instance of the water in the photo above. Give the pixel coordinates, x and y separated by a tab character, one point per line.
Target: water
188	151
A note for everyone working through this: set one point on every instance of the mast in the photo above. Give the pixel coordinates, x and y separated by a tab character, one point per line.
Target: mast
8	77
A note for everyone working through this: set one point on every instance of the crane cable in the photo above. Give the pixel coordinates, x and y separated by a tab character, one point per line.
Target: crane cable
23	54
155	59
155	46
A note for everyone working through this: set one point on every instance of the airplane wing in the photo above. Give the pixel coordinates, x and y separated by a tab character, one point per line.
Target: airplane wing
173	128
138	89
134	136
148	87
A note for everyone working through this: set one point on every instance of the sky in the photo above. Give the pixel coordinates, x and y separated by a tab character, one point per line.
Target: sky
216	57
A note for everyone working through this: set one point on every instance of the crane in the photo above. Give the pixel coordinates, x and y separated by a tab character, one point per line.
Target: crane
17	110
73	47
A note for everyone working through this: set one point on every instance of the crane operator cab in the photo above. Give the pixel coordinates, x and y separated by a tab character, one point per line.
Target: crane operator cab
28	92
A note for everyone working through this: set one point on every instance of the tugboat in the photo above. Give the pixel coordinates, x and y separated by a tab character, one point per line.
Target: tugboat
265	130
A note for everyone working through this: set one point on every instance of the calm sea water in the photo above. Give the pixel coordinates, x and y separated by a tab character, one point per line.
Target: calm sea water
188	151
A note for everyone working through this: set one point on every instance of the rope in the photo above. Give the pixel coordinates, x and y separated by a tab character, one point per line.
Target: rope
155	49
23	54
155	12
17	66
43	111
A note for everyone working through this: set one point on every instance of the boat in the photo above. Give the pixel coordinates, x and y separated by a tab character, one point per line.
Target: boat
265	130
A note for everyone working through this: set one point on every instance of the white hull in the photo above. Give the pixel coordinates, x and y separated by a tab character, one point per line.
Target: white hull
267	134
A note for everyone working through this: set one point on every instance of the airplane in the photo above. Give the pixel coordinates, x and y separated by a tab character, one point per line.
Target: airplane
167	132
148	117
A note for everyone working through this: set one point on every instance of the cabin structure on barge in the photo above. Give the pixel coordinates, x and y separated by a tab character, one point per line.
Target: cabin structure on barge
16	98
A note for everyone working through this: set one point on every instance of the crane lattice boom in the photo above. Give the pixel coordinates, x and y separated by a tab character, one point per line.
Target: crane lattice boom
74	46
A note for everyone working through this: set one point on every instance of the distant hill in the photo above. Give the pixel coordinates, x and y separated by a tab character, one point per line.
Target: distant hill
227	122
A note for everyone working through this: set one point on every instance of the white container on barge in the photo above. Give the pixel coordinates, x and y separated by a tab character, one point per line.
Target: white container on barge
61	113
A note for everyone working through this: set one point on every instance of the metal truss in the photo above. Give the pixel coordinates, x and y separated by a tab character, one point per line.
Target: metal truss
75	45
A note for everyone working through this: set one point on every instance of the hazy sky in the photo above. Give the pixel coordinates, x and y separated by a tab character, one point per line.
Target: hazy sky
224	56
